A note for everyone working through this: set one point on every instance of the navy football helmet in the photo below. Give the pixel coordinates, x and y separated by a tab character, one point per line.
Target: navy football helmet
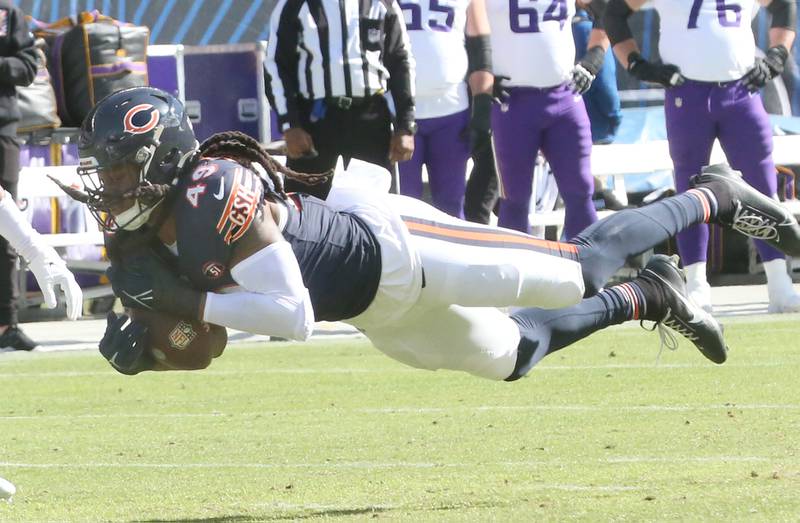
142	129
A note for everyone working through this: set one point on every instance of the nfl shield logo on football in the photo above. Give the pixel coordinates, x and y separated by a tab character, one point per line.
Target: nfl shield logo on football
182	335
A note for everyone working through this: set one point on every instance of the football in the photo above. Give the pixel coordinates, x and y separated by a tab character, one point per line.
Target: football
176	343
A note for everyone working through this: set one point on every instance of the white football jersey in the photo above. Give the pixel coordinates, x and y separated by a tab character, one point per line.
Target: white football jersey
709	40
532	41
436	31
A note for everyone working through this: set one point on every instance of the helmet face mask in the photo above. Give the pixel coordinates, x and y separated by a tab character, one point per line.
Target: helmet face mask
111	191
131	140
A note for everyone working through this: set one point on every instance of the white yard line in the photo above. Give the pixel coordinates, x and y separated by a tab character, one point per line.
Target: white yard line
11	374
410	410
368	465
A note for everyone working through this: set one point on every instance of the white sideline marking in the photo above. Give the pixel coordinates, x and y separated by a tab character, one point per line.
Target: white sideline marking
393	465
395	370
415	410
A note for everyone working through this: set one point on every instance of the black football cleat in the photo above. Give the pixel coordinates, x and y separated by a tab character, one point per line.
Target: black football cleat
671	307
13	338
744	209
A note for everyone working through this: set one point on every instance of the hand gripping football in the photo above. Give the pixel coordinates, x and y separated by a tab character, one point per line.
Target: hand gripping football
176	343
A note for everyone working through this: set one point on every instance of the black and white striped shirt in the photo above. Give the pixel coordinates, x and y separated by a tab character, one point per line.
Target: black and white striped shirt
332	48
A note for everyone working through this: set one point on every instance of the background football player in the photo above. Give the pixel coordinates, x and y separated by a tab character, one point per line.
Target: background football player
711	75
532	44
451	42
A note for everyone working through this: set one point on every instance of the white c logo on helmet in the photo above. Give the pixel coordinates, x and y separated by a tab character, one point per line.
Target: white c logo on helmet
141	129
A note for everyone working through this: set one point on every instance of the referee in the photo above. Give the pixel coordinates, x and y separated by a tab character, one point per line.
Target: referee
330	64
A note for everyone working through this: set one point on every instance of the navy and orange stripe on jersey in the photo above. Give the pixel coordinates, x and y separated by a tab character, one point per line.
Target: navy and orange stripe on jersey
485	237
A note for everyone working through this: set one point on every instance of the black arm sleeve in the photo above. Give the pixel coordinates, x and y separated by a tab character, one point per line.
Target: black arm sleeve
784	14
597	11
398	61
18	67
615	21
479	53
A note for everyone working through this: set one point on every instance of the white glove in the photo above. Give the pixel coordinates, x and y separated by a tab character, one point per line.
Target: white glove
582	79
51	271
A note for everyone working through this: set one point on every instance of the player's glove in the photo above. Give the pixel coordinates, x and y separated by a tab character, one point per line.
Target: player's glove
480	124
500	92
146	282
667	75
766	68
585	71
51	272
125	346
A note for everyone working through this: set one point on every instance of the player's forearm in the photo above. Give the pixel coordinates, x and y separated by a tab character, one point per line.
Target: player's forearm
17	231
286	316
481	82
598	37
615	22
274	302
479	49
623	50
781	36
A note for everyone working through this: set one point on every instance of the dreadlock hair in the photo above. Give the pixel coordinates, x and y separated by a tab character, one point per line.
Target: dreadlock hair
246	150
235	145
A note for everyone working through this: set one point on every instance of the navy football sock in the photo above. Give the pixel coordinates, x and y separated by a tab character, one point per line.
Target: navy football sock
544	331
604	246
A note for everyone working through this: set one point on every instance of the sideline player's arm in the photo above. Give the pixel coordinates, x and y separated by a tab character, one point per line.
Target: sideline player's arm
597	11
784	21
479	49
479	75
781	37
588	67
44	262
615	21
627	51
274	300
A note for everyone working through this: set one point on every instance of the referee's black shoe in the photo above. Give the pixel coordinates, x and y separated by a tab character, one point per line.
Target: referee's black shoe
13	338
744	209
668	304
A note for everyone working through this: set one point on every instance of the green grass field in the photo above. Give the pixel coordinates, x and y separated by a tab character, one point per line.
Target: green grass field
337	430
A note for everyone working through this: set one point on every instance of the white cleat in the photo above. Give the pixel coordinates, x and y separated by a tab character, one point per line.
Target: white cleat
784	304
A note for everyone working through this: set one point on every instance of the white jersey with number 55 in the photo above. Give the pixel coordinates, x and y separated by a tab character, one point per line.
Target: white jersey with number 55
532	41
709	40
436	31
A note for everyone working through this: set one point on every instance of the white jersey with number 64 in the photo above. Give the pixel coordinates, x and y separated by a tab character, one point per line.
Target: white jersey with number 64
532	41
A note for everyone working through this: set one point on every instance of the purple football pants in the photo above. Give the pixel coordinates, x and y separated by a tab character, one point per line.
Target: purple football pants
555	121
696	114
441	145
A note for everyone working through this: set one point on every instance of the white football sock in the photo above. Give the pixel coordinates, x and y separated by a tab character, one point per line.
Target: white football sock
781	292
697	286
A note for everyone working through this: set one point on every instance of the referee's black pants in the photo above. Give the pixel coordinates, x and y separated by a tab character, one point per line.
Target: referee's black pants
362	131
9	179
